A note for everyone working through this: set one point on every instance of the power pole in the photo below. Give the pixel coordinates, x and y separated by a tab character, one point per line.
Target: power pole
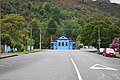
119	45
40	39
99	39
0	41
30	38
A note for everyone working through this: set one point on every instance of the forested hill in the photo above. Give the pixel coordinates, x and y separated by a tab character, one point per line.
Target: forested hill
111	9
76	20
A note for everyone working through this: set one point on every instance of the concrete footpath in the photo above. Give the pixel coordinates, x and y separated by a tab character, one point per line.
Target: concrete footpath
6	55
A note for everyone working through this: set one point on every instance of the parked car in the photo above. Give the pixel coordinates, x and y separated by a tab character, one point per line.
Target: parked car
100	51
109	52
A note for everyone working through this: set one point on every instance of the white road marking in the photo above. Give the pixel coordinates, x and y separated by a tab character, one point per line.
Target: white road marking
78	73
98	66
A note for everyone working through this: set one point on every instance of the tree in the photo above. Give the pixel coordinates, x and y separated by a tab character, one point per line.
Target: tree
66	20
47	7
90	33
6	39
29	5
14	25
118	22
78	42
72	29
52	27
6	8
36	26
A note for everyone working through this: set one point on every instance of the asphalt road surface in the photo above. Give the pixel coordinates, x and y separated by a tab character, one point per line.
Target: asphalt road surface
60	65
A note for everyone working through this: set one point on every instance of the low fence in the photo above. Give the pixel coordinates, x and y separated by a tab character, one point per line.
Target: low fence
6	49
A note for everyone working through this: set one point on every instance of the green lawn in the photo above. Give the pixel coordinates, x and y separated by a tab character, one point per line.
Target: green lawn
25	52
118	54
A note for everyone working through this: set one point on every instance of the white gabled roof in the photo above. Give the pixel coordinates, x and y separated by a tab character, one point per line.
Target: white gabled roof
62	38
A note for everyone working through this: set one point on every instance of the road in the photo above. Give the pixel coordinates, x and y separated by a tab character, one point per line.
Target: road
60	65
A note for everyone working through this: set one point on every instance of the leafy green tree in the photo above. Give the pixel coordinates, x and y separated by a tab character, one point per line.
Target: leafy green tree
78	42
67	20
6	8
37	25
29	5
6	39
14	25
47	7
72	29
82	21
118	22
52	27
90	33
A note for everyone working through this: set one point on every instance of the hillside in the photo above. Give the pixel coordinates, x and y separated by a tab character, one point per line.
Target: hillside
110	9
59	17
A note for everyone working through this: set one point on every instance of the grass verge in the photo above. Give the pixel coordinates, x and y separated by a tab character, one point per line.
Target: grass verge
118	55
25	52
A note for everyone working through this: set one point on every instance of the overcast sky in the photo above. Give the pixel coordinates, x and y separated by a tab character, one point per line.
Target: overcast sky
115	1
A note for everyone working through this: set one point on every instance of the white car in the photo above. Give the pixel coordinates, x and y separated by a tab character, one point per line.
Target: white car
100	51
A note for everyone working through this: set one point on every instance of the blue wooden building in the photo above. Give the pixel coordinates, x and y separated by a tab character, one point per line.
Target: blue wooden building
62	43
